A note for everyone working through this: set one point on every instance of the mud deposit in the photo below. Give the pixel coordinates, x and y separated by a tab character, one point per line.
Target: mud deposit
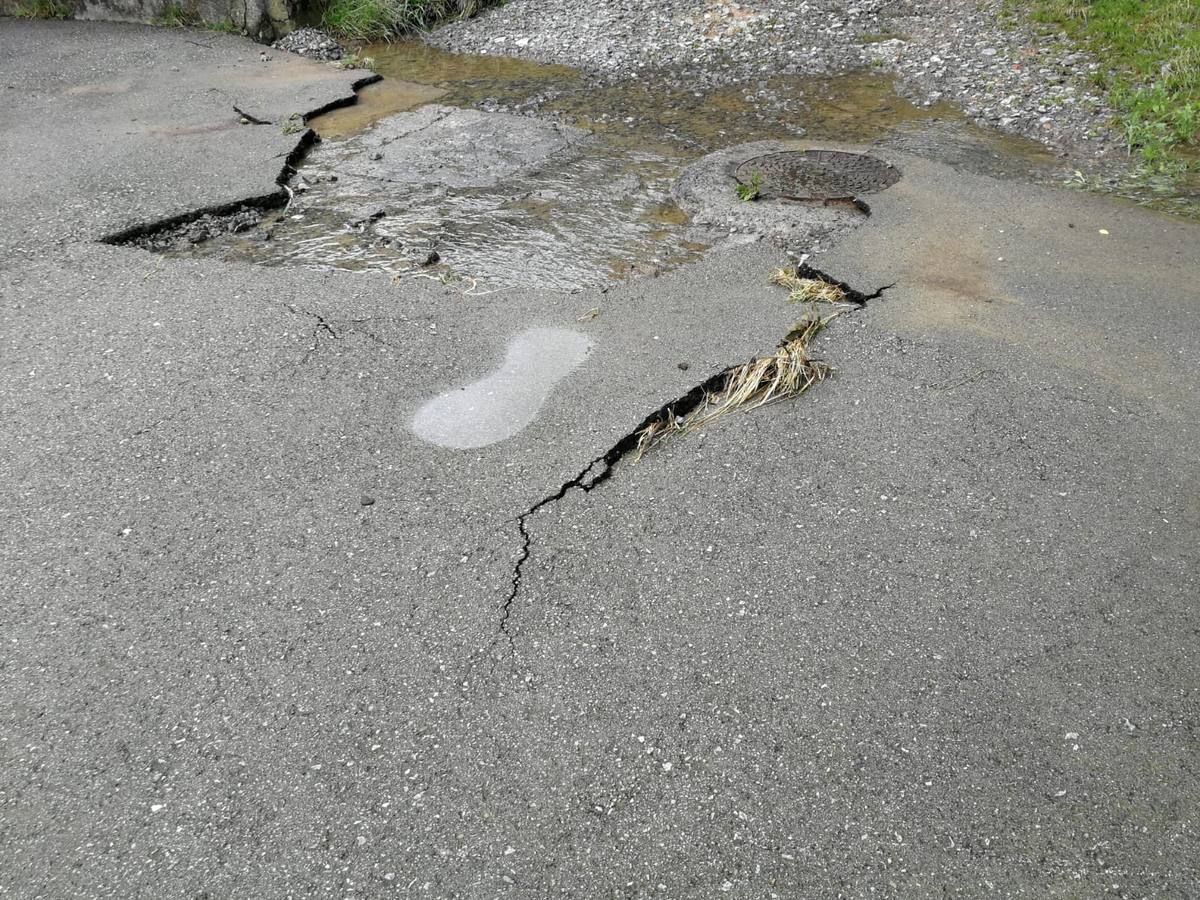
528	175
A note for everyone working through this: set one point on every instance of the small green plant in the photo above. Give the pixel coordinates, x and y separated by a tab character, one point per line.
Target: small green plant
226	26
747	192
174	15
45	9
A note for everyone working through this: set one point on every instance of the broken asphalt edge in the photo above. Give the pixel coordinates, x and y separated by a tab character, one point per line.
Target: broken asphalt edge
275	199
676	408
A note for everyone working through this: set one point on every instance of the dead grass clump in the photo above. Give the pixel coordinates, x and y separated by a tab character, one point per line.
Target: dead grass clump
786	373
655	431
807	290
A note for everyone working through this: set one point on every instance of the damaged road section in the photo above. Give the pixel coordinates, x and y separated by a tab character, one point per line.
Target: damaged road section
205	223
238	218
784	374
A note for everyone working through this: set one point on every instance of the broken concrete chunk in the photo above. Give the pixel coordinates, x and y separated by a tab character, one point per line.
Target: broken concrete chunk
366	216
422	255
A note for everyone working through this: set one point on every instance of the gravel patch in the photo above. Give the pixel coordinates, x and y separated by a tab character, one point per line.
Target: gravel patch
198	230
956	51
312	43
713	41
1008	78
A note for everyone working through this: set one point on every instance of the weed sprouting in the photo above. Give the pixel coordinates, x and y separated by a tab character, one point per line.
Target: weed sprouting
354	61
175	15
368	20
747	192
44	9
225	26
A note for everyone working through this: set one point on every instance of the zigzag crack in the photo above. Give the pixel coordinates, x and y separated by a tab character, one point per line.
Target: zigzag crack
674	409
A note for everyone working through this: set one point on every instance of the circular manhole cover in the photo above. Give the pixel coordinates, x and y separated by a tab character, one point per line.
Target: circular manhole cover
816	174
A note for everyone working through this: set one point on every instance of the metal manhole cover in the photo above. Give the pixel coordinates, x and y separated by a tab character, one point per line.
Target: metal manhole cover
816	175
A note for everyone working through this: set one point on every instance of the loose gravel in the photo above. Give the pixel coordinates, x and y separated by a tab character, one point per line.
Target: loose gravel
312	43
198	230
957	51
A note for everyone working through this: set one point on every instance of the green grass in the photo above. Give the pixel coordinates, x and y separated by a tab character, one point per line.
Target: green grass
226	26
44	9
174	15
1150	51
355	61
370	20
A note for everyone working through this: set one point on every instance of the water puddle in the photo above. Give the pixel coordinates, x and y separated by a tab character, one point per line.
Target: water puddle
503	403
374	102
574	216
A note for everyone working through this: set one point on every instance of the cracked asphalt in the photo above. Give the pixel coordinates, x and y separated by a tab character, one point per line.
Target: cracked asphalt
928	630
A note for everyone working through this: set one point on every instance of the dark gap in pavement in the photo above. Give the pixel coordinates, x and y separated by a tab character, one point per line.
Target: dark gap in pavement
674	409
144	232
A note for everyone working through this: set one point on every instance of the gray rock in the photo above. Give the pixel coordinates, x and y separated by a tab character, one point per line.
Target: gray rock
366	216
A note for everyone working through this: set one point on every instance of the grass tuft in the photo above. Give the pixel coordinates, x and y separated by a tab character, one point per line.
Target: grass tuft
354	61
175	15
786	373
44	9
1152	52
374	20
226	26
807	290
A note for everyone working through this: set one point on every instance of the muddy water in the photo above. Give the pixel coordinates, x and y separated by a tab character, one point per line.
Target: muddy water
592	217
374	102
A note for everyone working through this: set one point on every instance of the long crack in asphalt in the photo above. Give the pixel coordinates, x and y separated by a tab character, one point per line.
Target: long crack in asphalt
674	409
584	481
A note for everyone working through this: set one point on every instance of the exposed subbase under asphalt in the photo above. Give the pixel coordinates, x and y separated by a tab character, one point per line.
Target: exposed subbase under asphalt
431	175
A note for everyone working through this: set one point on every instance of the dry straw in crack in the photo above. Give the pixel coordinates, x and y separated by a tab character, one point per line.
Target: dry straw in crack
788	372
807	290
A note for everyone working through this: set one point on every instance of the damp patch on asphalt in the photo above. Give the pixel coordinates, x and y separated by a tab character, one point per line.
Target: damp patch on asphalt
507	400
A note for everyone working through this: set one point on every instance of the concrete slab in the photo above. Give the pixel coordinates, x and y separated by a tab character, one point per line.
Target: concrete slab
448	147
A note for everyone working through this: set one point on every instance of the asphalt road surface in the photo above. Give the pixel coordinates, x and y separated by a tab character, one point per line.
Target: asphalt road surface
929	630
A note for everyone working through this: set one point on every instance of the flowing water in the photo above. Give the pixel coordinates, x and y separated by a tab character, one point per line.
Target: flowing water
599	213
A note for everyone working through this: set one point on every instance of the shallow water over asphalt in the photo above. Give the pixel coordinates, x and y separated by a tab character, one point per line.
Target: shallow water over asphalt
582	218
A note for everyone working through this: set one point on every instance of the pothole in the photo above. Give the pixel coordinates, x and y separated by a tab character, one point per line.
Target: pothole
816	175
